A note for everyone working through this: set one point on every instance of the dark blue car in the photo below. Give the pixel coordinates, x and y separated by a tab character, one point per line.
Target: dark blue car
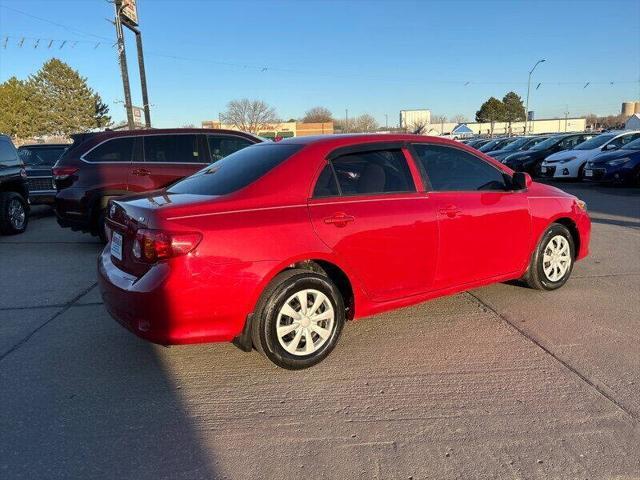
620	166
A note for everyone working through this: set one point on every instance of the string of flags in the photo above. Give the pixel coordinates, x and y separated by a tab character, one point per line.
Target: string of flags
49	43
60	44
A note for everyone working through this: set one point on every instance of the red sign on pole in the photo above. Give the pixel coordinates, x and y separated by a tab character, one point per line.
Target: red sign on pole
129	12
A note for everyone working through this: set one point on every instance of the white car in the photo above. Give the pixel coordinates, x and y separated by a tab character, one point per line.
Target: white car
570	163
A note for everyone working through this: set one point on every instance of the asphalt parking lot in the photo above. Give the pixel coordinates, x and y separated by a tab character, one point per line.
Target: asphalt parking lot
499	382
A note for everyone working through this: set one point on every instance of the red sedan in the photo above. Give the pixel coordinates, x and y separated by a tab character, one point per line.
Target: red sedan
278	244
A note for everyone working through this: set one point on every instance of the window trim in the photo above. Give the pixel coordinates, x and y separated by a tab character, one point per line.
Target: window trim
363	148
81	157
427	181
133	149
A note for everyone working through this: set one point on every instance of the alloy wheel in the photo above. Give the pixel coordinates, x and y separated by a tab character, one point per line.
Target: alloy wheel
17	214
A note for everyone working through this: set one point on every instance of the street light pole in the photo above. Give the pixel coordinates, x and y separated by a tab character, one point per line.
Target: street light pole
526	114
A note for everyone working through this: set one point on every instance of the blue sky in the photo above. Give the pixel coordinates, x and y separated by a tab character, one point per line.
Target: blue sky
368	56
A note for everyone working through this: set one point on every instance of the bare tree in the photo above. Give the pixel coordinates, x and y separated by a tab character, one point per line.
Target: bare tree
365	123
317	115
418	127
439	119
459	118
249	115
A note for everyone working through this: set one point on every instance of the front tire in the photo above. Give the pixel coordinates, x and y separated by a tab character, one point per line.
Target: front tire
14	215
298	319
552	262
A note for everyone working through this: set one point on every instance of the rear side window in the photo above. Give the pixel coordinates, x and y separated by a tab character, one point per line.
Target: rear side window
171	149
235	171
7	151
116	150
373	172
452	169
326	185
221	146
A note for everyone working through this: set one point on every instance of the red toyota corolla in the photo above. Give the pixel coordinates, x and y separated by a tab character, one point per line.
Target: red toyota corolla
277	245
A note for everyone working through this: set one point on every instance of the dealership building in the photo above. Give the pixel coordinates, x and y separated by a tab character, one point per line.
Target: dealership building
544	125
282	129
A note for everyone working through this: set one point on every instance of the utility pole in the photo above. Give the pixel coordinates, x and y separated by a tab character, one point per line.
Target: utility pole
122	57
526	113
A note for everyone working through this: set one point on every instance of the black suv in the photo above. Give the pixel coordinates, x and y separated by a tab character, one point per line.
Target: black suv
14	192
39	160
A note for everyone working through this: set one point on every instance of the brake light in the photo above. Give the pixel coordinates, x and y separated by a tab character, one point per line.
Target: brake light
62	173
153	245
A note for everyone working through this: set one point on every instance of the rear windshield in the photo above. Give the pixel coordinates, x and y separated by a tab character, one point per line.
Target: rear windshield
235	171
39	156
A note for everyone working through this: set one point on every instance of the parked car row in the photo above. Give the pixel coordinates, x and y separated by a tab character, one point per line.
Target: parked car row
606	157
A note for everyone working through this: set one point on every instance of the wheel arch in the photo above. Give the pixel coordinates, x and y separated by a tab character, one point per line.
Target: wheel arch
573	230
322	263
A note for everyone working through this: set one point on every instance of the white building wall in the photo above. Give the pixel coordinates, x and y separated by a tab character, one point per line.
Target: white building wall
556	125
408	118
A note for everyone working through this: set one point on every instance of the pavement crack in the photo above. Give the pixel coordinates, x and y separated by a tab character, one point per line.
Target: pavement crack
548	351
65	307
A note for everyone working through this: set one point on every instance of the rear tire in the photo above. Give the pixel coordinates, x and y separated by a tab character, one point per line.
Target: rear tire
14	215
298	319
552	262
100	226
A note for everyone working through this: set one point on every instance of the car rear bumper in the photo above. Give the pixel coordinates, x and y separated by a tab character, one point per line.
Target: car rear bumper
180	302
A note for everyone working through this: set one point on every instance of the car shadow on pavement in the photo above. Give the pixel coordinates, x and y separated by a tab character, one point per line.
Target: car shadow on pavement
110	411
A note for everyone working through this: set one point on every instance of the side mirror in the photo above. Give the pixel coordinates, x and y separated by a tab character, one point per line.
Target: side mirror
521	180
609	146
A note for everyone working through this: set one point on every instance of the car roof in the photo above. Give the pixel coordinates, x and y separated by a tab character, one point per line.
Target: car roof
44	145
160	131
108	134
358	138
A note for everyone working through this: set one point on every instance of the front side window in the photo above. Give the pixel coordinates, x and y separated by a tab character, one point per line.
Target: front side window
373	172
116	150
624	139
236	171
221	146
171	149
452	169
7	152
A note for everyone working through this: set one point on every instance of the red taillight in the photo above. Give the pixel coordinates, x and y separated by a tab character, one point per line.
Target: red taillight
60	173
153	245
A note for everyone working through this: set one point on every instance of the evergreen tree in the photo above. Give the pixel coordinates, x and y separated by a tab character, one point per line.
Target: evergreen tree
66	104
513	108
491	111
18	112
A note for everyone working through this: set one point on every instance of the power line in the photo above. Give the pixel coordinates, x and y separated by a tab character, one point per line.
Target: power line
72	29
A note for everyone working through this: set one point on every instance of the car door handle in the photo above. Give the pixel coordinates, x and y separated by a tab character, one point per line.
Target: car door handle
339	219
142	172
450	211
